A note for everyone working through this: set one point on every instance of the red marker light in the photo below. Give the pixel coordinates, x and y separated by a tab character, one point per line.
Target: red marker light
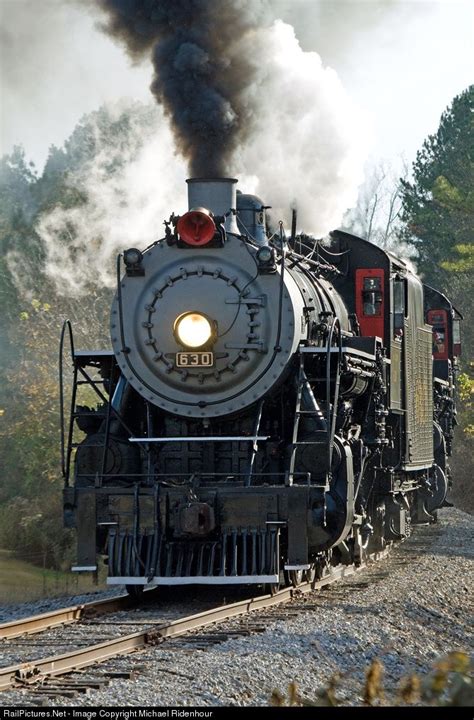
196	227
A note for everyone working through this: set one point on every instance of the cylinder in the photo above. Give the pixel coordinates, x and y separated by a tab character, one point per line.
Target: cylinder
217	195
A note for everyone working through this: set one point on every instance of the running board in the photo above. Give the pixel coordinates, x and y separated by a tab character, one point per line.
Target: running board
201	438
196	580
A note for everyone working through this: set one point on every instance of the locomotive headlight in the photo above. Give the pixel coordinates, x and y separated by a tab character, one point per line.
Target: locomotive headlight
264	254
193	329
266	259
132	256
133	259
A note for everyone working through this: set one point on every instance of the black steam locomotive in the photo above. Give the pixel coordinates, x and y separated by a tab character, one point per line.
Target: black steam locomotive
270	405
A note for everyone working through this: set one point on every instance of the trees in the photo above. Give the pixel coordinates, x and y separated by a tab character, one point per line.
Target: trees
376	215
438	204
31	314
438	208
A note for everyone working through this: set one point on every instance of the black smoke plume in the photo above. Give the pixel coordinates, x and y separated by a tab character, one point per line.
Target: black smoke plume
199	71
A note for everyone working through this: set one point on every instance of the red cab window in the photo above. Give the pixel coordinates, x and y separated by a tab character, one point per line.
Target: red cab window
438	319
370	301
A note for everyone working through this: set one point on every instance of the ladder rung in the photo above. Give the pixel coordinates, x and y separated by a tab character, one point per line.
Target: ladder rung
309	412
316	442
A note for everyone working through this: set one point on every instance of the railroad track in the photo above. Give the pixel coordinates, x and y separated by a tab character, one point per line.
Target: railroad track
63	616
43	676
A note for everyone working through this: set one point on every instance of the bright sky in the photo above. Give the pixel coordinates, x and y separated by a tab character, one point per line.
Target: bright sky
402	61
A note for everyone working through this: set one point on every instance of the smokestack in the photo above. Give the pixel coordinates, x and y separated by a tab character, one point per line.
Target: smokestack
219	195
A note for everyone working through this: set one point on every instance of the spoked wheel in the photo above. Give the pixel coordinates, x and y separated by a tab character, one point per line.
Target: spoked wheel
271	588
310	575
296	577
377	541
360	547
324	564
135	592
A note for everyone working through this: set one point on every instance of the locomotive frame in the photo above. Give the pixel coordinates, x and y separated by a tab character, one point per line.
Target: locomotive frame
289	470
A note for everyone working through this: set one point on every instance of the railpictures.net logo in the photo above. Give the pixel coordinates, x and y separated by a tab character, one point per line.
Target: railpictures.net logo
104	714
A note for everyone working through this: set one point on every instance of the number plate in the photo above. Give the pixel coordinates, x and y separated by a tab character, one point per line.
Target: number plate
194	359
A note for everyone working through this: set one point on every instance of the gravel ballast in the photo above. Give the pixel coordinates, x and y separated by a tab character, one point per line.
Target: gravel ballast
10	612
406	610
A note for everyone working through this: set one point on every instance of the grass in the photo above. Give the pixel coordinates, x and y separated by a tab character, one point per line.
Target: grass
20	581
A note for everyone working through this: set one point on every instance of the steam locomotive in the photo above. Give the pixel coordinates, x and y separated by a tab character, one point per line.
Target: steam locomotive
271	405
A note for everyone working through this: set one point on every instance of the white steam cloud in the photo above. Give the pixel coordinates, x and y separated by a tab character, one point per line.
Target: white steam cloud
125	208
309	143
307	148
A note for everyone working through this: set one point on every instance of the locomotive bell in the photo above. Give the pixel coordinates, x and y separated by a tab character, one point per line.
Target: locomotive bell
217	195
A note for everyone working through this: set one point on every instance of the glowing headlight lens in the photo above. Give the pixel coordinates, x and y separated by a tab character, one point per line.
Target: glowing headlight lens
193	329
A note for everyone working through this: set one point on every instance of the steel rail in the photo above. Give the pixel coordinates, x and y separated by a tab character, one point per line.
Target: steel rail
24	674
63	616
